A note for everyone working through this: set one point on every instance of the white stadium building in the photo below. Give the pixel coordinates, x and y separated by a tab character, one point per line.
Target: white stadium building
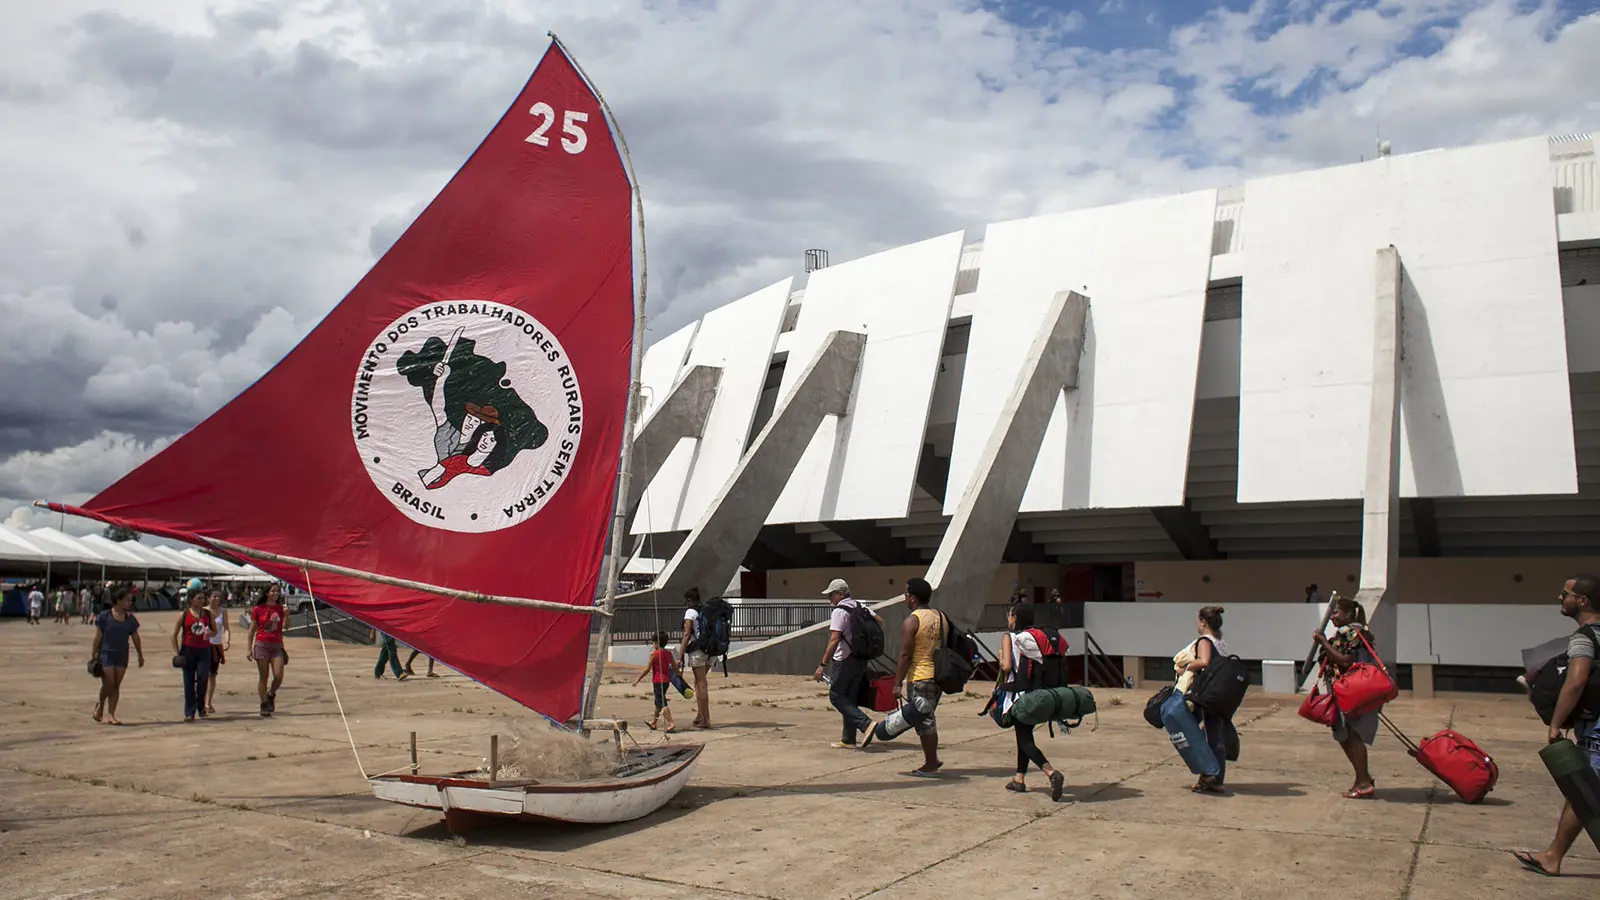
1224	426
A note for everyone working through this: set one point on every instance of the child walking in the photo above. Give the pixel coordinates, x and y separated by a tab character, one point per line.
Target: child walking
660	679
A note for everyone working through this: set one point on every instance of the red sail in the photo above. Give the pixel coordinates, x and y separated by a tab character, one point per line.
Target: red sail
455	420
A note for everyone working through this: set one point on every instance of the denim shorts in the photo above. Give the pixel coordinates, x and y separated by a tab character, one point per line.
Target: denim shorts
1587	737
661	694
113	659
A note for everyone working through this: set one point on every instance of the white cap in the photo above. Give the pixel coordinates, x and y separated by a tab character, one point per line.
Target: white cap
837	586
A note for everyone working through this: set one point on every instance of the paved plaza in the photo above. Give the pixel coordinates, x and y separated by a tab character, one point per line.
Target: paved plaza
244	807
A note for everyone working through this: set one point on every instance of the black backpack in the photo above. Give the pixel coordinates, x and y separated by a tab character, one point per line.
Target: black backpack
1545	690
953	658
714	631
1220	687
866	632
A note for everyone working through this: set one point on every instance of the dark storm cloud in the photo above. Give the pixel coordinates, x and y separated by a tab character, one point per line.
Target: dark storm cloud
231	83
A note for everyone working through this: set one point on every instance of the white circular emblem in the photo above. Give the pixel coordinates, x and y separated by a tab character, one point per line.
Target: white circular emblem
467	415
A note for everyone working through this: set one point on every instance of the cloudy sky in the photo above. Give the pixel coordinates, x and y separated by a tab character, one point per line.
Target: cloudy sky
187	187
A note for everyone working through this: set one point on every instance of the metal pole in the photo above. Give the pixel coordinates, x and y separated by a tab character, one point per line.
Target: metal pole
413	753
625	468
494	757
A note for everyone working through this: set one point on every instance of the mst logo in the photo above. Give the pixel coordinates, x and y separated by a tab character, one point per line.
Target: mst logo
467	415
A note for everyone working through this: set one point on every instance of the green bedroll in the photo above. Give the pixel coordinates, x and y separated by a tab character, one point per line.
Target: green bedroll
1051	705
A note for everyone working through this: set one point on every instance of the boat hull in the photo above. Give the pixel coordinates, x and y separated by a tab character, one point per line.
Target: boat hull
650	779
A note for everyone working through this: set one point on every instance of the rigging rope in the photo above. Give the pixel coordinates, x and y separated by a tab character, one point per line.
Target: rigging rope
317	617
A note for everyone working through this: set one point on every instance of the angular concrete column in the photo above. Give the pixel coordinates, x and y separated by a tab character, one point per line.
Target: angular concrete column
710	556
682	414
974	543
1380	502
1422	681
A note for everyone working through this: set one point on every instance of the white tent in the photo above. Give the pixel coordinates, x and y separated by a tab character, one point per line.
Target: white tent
64	548
119	551
15	547
248	572
150	559
175	560
210	563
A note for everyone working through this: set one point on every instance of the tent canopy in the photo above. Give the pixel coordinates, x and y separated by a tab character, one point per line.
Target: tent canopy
15	547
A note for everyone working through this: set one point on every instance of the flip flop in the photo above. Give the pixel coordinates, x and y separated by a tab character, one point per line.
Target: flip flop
1363	794
1532	865
920	773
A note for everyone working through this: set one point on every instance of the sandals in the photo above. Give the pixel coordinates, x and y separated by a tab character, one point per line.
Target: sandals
1366	793
1533	865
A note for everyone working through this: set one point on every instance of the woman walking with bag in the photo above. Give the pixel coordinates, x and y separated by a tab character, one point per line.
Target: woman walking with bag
1351	644
1019	648
114	629
1189	662
191	639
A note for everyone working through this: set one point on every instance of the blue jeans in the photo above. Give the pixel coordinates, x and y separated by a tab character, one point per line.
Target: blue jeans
846	687
196	672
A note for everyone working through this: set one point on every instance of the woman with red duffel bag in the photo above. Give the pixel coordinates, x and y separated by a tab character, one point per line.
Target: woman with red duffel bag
1346	653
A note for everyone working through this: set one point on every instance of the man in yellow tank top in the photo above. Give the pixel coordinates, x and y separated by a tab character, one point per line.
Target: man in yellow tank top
922	631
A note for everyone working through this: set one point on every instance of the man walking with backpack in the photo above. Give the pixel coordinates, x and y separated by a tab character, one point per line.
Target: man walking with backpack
855	638
1577	705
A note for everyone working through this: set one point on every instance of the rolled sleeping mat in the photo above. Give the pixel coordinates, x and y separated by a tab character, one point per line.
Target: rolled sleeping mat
681	686
1052	705
898	722
1569	766
1184	733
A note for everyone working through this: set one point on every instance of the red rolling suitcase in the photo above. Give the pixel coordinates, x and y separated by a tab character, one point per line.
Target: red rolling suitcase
1455	760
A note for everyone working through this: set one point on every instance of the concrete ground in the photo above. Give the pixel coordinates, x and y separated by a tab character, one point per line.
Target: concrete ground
243	807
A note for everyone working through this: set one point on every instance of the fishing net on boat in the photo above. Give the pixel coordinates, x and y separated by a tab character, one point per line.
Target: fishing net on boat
540	752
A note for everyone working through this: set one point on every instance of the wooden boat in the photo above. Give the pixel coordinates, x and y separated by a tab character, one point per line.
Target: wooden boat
485	372
646	781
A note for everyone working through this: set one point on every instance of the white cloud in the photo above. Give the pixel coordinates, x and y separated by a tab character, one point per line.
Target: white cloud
190	187
69	475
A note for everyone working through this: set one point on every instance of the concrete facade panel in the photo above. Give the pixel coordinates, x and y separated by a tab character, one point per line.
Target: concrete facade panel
738	338
862	465
1476	230
662	366
1121	439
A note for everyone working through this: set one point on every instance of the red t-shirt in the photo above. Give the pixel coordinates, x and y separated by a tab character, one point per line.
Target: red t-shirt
269	623
196	630
661	667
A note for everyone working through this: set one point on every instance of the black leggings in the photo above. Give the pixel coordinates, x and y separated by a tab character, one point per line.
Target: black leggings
1027	750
